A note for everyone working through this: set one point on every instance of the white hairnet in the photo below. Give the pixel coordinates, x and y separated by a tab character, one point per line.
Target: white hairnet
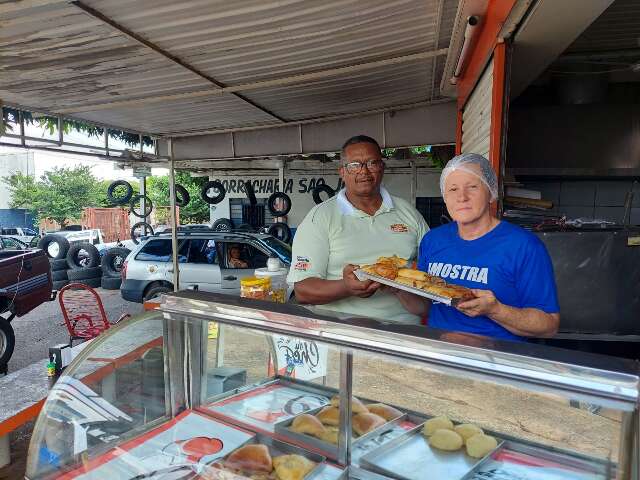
463	162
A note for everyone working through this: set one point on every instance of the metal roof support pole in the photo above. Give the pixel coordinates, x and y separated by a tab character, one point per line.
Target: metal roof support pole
414	182
174	223
60	131
21	120
106	141
1	119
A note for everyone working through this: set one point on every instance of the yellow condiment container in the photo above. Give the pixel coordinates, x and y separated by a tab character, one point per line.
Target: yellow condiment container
254	287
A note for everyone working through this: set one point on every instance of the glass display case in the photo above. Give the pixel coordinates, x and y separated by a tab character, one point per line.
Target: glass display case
217	387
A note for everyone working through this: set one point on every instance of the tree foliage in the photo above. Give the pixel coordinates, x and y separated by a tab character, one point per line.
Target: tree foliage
197	211
59	194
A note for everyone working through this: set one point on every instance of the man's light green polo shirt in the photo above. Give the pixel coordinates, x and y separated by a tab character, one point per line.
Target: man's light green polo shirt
335	233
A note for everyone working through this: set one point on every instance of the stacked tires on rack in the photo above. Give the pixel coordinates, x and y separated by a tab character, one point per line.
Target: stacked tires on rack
81	263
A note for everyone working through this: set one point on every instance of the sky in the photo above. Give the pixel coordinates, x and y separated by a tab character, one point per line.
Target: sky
101	169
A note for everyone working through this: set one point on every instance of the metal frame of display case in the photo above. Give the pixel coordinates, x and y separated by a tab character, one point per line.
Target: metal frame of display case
607	381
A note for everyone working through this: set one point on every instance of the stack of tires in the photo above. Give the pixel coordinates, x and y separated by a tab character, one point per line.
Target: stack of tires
78	263
112	263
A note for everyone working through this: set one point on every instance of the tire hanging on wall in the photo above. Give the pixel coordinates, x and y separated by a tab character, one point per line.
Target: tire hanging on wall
147	230
148	206
319	189
273	200
63	245
76	261
111	196
216	185
182	196
251	193
281	231
222	225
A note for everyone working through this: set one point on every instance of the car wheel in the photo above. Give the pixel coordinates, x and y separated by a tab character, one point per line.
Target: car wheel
113	260
213	185
84	274
111	283
55	246
119	199
7	341
154	291
83	255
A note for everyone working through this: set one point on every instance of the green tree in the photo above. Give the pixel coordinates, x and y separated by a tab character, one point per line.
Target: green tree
196	211
60	194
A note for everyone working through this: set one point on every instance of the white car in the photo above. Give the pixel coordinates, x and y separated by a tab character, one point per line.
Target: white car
19	233
204	262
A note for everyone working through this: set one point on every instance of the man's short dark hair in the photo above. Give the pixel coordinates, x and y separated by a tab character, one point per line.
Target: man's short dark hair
360	139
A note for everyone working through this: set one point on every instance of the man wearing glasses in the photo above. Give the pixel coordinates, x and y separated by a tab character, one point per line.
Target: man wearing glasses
358	225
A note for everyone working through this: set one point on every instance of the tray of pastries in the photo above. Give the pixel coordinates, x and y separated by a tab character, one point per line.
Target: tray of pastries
396	272
437	446
319	428
264	458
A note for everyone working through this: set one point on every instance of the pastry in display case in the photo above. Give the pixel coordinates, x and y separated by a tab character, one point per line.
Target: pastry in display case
283	392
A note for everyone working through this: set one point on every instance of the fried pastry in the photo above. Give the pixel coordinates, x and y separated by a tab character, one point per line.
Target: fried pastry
397	261
292	467
330	435
384	411
356	405
467	430
480	444
329	416
436	423
253	458
365	422
308	424
451	291
447	440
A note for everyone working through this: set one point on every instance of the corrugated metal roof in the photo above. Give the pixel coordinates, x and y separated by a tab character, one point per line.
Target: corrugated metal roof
56	57
618	28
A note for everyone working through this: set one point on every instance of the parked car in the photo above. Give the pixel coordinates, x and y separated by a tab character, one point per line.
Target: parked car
10	243
23	234
204	259
25	283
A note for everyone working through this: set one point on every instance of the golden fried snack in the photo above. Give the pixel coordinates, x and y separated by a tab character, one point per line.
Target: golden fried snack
386	270
365	422
397	261
447	440
251	458
436	423
330	435
292	467
467	430
308	424
480	444
329	416
356	405
384	411
451	291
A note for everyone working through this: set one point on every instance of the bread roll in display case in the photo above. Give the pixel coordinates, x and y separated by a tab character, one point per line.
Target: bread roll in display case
217	387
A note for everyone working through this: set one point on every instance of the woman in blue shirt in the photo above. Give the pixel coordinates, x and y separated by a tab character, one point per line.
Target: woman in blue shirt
508	268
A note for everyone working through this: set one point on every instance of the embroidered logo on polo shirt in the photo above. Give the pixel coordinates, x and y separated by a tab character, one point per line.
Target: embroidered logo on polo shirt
399	228
302	264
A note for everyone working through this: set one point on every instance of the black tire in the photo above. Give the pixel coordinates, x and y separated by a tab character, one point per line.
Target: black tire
84	274
217	185
113	260
95	282
59	284
155	290
58	275
7	341
146	231
222	225
112	190
281	231
76	259
319	189
57	265
148	206
244	227
251	193
63	245
111	283
271	204
182	196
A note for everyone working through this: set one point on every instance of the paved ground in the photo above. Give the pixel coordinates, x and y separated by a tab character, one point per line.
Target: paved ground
44	327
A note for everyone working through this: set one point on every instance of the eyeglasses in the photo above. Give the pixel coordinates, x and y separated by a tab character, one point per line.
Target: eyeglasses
356	167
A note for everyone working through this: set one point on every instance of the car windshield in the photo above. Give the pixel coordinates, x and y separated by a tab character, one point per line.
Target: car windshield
282	249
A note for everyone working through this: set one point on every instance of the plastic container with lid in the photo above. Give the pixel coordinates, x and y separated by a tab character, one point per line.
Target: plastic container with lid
254	287
277	275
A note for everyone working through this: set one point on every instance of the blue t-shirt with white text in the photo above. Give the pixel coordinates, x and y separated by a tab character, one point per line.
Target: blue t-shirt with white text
509	261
